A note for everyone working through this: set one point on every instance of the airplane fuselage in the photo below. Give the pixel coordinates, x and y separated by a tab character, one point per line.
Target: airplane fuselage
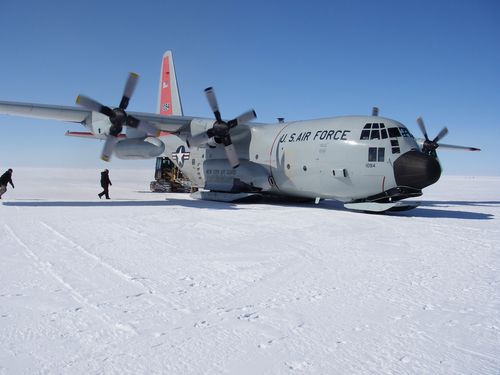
344	158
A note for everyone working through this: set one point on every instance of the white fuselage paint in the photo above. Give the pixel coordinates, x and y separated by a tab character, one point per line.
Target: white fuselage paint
323	158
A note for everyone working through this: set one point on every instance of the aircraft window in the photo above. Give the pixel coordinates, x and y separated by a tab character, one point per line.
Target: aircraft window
383	132
394	143
395	150
365	134
375	126
304	168
382	126
367	126
394	132
406	133
381	154
376	154
372	154
375	134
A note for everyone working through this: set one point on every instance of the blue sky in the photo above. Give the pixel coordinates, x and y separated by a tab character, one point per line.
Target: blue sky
296	59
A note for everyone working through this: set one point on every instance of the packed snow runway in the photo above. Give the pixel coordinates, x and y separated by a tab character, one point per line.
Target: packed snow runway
150	283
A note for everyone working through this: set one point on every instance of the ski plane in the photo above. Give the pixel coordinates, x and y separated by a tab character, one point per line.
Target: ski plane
370	163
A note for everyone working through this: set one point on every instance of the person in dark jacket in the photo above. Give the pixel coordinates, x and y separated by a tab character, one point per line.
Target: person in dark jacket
105	182
5	179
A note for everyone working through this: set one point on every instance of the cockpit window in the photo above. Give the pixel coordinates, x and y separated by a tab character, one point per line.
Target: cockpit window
394	132
381	153
375	134
405	133
374	131
376	154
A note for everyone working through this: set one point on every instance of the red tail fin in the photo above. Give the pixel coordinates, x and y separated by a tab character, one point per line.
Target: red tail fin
169	102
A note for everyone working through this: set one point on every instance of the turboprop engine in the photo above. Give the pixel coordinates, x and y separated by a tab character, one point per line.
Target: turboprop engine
139	148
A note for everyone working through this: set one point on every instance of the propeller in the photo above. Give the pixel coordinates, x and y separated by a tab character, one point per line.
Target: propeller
220	130
429	147
117	116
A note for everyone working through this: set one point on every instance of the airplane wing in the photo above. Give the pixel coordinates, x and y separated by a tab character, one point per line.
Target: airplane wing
50	112
453	147
171	124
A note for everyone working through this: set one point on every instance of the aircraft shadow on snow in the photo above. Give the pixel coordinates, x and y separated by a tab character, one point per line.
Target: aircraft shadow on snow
125	203
437	209
429	209
461	203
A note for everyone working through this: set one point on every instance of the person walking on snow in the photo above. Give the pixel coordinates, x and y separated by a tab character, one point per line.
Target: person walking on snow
5	179
105	183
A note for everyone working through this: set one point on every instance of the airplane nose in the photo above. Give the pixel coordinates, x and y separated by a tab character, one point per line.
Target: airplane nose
416	170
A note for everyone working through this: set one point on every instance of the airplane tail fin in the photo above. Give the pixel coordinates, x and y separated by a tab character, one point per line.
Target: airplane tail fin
169	101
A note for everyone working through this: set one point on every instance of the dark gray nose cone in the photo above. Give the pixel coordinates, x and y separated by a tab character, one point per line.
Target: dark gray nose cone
416	170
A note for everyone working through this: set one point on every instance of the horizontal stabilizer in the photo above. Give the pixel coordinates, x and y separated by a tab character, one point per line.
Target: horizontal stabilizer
87	135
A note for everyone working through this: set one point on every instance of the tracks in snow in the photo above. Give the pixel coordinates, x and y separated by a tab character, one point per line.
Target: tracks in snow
82	250
89	279
47	268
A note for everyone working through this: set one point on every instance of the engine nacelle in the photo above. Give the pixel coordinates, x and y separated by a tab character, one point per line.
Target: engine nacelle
137	148
199	125
98	124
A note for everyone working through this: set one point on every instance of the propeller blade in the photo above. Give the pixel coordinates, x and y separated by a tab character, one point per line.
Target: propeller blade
421	125
232	156
148	128
453	147
197	140
94	105
243	118
132	121
441	134
144	126
212	101
109	146
129	89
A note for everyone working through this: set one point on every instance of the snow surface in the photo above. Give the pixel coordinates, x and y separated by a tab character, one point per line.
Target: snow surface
147	285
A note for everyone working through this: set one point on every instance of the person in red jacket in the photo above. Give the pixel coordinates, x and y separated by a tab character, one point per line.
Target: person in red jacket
5	179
